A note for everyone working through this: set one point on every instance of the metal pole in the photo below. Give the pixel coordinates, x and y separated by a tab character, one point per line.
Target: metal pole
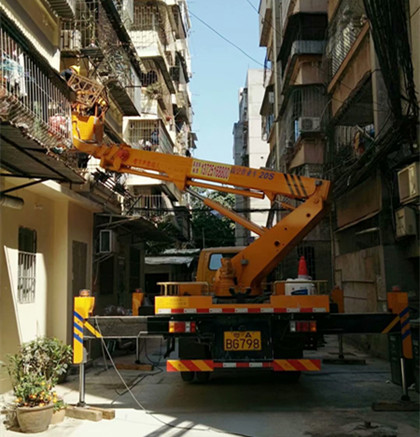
404	396
81	402
340	347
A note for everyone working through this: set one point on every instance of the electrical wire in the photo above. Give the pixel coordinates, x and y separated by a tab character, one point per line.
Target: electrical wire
129	390
225	39
340	81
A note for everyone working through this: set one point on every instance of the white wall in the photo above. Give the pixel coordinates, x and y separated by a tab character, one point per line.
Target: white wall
258	149
58	216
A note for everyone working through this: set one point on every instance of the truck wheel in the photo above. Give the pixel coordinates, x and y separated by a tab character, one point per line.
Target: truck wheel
203	377
187	376
293	376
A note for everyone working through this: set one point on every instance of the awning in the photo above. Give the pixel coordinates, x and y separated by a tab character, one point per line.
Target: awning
137	226
23	156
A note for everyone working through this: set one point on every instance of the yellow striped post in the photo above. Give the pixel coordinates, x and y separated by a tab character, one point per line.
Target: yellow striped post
83	307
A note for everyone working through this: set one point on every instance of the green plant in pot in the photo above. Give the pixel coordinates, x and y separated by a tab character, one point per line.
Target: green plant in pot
34	371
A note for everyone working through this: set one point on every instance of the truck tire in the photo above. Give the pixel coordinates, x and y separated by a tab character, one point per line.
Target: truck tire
187	376
202	377
293	377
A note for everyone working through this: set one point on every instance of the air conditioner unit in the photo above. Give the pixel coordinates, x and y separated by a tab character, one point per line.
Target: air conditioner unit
408	182
309	124
405	221
107	241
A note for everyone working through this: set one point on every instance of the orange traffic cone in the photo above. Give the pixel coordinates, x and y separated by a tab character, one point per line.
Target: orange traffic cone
302	269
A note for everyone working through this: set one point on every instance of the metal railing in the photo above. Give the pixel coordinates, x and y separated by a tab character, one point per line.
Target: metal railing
149	135
26	277
29	99
151	29
92	33
343	32
150	206
125	8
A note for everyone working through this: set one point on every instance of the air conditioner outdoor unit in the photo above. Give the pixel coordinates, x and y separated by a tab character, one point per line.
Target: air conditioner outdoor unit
405	221
408	182
309	124
107	241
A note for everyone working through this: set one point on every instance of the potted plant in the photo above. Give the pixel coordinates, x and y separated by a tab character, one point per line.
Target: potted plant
59	409
34	371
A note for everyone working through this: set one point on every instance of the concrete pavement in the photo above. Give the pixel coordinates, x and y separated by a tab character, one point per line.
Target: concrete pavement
334	402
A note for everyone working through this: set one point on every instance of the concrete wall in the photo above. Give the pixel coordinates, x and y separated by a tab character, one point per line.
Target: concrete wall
257	148
39	25
58	218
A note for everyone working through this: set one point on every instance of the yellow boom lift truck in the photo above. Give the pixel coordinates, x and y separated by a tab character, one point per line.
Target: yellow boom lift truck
226	318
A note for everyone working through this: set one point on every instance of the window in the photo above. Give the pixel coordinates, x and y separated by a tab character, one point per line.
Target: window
215	260
26	265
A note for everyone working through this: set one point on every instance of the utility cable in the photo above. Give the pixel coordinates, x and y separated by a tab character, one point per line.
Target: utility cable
226	39
129	390
351	88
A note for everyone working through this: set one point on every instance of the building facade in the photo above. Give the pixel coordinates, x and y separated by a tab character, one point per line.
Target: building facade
251	150
66	224
373	140
294	33
341	103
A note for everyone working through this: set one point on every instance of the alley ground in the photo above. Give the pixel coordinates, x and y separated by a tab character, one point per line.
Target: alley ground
334	402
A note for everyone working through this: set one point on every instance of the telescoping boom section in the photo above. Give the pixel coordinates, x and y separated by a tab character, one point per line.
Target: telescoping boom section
245	271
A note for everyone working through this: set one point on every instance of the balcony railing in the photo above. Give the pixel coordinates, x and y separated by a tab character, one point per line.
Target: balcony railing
151	206
91	34
343	32
151	33
29	99
149	135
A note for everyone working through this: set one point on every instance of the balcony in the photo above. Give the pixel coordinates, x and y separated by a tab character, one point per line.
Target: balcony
350	86
304	64
305	35
348	22
293	7
151	206
63	8
92	34
300	124
149	135
153	38
34	112
265	13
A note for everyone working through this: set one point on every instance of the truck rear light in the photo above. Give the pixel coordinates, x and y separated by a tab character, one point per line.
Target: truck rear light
303	326
180	327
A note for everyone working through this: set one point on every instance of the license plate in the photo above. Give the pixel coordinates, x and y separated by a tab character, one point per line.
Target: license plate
242	341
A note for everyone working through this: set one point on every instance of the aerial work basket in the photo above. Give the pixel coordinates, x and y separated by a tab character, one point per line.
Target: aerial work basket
88	129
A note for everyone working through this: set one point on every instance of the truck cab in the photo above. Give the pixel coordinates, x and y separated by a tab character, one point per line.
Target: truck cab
210	261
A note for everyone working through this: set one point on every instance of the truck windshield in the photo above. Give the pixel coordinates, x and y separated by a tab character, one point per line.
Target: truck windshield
215	263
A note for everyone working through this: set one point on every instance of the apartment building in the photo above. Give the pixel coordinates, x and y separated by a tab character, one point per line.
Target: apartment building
159	32
341	103
66	224
373	146
250	149
294	33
